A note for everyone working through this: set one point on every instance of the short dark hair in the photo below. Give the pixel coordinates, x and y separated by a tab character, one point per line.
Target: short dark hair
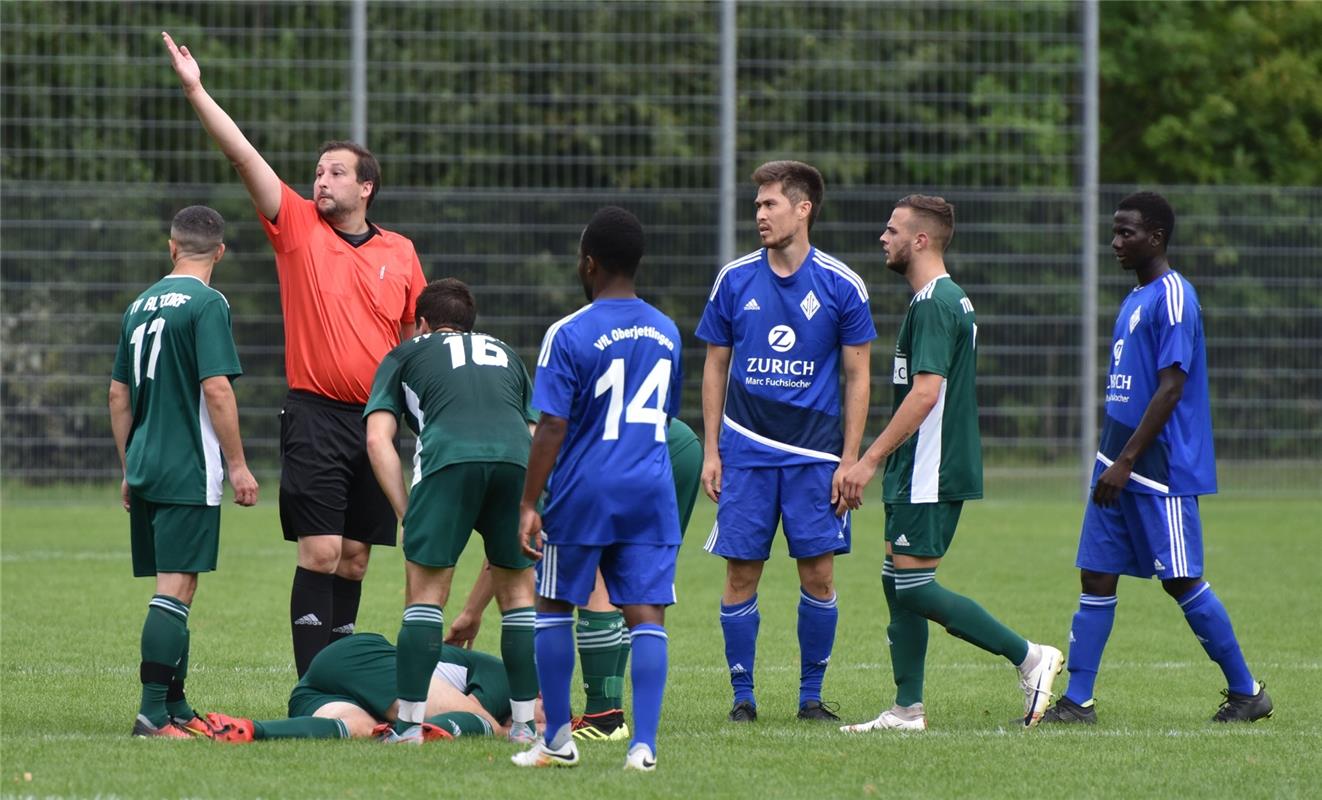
936	211
368	169
614	237
198	230
799	182
1154	210
447	303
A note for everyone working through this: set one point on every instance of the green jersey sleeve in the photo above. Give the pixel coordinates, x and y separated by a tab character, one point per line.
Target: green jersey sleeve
933	339
387	387
529	413
214	340
123	369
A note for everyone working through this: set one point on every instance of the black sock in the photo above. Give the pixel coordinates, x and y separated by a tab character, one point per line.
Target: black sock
344	613
310	604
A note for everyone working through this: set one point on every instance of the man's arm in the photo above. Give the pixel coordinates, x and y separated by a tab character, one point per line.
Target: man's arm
1170	387
381	429
261	181
406	330
546	444
463	630
715	376
855	360
121	422
908	417
224	412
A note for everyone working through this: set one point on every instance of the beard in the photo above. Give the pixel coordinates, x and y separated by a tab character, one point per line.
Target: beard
899	263
333	213
781	243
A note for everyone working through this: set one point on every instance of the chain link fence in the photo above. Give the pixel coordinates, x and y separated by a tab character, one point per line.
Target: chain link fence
501	126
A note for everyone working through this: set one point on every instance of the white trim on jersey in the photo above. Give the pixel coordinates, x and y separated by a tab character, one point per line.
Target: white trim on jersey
1175	529
415	408
775	445
1136	478
828	261
1174	298
738	262
926	291
925	486
210	451
544	356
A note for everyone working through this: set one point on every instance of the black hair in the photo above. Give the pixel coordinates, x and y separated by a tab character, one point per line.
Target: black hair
198	230
614	238
447	303
367	168
1155	212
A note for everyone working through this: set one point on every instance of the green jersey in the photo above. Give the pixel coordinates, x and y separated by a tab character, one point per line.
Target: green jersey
174	336
943	460
466	396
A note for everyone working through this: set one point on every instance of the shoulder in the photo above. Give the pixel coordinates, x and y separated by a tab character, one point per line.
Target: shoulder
739	268
1176	296
395	240
836	271
561	330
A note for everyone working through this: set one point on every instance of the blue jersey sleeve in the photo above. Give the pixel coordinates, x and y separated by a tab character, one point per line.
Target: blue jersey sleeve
1176	325
556	382
714	327
856	326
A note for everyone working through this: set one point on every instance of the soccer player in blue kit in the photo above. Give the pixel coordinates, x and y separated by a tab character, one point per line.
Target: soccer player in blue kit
1154	461
781	324
607	383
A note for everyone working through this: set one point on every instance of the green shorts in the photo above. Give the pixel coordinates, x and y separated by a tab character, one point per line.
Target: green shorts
487	680
172	538
358	669
446	506
924	530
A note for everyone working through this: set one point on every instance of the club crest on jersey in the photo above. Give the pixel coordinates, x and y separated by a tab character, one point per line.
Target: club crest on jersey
781	338
1133	318
809	304
1117	349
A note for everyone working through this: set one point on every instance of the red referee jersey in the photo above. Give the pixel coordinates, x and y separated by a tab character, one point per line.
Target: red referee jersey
342	305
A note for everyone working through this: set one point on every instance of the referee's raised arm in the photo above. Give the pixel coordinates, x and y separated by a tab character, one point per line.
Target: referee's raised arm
261	181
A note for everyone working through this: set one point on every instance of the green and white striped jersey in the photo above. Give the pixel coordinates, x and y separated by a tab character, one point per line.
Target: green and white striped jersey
943	460
175	335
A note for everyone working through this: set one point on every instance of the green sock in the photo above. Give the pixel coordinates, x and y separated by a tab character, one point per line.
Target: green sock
517	630
598	634
907	634
175	703
918	591
417	651
462	723
615	686
164	638
300	728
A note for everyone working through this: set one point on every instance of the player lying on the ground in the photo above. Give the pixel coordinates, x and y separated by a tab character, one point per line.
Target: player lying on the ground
349	691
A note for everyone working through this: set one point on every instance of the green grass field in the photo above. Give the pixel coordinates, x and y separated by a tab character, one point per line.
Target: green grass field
70	615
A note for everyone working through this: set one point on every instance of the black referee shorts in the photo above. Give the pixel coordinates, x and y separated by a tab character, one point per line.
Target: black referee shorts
326	480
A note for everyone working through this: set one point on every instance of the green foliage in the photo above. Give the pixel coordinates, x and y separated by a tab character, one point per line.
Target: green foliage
1212	92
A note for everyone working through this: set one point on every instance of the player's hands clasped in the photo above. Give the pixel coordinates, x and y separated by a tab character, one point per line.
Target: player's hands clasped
854	481
837	489
530	532
245	486
185	66
711	476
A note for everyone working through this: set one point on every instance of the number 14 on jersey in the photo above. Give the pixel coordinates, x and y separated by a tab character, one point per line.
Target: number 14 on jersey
640	409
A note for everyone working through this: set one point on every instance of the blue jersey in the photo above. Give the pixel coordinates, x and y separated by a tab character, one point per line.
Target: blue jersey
612	369
1160	325
782	402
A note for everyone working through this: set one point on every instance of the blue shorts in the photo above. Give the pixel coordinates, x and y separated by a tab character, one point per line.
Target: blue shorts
1143	535
635	574
755	499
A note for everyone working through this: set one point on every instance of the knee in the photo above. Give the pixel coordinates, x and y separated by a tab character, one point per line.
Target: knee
741	583
1098	583
319	553
1179	587
353	561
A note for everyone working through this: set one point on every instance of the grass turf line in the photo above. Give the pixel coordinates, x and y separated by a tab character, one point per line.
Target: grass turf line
71	615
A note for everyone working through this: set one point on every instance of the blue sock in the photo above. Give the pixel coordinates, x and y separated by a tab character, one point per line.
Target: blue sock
739	623
1211	624
817	620
648	673
554	646
1088	634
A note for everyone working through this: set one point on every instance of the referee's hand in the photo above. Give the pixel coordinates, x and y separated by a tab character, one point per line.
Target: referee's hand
185	66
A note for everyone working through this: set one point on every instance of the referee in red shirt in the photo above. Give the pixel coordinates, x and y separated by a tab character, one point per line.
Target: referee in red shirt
347	292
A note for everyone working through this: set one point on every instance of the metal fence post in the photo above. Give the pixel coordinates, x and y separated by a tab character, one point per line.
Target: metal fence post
358	71
1088	279
726	152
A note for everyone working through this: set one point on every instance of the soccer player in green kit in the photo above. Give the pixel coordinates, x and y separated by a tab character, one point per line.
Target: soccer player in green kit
173	414
933	454
466	395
